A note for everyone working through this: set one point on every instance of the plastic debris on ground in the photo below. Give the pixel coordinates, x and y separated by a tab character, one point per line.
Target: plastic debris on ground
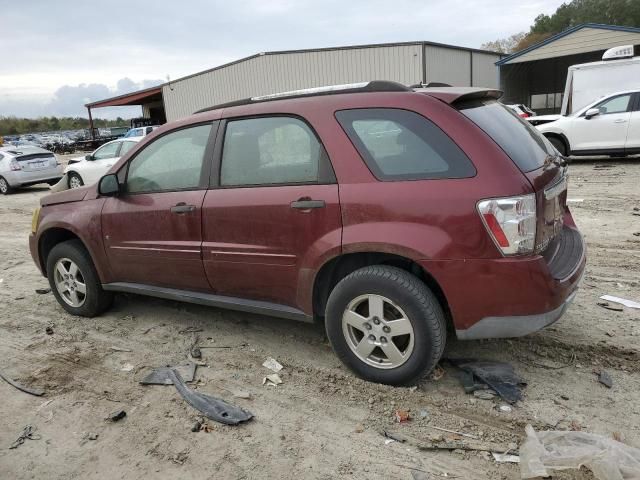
402	416
127	367
43	291
505	458
605	379
608	459
159	376
32	391
608	306
272	364
28	433
623	301
273	379
500	376
117	415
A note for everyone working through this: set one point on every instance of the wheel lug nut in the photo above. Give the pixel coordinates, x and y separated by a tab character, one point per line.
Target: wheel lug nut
368	326
372	337
383	339
376	320
386	329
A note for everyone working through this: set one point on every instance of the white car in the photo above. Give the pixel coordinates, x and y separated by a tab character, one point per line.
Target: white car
608	126
522	110
140	131
25	165
90	168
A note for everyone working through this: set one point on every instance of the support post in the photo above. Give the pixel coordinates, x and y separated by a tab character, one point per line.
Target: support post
93	135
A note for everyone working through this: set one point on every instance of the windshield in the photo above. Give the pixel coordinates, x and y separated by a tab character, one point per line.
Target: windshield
527	147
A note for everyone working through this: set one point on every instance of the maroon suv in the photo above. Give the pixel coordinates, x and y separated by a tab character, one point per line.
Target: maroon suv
389	213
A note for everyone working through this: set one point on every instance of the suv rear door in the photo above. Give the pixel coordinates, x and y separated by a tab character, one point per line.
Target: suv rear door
273	202
153	229
633	134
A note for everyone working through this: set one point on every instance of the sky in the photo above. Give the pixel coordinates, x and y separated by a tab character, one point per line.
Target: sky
55	56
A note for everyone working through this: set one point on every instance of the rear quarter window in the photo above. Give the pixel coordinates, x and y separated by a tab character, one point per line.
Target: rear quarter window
403	145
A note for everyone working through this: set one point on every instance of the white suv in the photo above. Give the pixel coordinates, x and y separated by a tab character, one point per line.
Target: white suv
608	126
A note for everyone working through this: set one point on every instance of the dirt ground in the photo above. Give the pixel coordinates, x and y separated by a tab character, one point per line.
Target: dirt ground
322	422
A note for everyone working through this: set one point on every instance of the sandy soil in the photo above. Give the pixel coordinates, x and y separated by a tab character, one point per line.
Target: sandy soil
322	422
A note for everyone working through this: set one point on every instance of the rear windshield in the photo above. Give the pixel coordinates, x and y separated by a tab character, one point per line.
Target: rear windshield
522	142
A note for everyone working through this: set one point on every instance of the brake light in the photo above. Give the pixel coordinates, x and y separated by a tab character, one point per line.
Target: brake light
524	115
15	166
511	222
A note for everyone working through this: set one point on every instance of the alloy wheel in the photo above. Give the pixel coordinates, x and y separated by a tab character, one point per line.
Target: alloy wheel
3	185
70	282
75	182
378	331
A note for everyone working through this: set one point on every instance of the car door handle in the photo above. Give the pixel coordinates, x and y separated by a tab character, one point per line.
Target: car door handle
306	203
183	208
620	120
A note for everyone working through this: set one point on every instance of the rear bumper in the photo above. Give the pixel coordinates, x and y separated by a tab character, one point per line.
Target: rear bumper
22	178
510	297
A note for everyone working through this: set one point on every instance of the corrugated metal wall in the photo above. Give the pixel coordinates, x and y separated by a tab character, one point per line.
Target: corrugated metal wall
485	72
278	72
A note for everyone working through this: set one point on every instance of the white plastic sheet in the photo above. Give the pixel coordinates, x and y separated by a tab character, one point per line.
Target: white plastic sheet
555	450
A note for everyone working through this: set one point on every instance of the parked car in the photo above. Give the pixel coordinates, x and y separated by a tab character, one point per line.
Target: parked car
522	110
88	169
140	131
25	165
608	126
388	213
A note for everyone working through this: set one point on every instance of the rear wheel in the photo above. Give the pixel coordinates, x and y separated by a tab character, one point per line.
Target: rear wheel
74	280
559	145
5	188
75	180
386	325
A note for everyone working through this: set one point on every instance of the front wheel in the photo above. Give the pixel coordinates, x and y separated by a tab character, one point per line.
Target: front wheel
74	280
386	325
75	180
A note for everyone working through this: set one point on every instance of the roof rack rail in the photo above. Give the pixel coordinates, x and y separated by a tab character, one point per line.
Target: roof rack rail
373	86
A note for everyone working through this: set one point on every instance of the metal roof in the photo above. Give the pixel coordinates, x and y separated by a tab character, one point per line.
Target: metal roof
564	33
132	98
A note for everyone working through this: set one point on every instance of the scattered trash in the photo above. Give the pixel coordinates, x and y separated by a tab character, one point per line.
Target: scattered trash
89	436
437	373
119	349
388	441
623	301
468	435
190	330
505	458
272	364
127	367
28	433
418	475
21	297
49	330
555	450
180	457
500	376
32	391
196	426
609	306
241	394
443	445
505	408
117	415
273	379
195	351
564	397
605	379
393	437
402	416
159	376
43	291
484	394
575	200
424	413
211	407
359	428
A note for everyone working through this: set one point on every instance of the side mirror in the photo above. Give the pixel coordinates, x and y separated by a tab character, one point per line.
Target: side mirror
109	185
88	157
592	112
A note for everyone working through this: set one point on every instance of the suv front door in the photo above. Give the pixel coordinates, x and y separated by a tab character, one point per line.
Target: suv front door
606	131
633	134
153	229
273	205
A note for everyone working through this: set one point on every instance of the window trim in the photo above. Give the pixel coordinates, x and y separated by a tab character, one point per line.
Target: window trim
629	105
371	164
206	161
118	147
326	172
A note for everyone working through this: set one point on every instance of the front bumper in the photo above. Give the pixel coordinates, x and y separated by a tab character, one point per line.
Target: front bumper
511	296
35	254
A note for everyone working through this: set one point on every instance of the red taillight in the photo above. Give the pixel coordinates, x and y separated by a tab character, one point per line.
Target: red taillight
496	230
524	115
15	166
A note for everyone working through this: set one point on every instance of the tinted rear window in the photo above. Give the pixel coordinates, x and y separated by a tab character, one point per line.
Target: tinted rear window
402	145
523	143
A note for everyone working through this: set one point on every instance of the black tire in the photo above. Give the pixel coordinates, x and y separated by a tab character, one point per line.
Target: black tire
559	145
96	300
74	175
418	303
5	188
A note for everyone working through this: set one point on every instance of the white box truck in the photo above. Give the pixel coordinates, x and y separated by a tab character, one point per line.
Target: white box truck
619	70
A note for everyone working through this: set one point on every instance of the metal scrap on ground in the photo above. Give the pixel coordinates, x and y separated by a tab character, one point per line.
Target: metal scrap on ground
32	391
500	376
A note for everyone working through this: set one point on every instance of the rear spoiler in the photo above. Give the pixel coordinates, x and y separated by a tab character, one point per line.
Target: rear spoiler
453	95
